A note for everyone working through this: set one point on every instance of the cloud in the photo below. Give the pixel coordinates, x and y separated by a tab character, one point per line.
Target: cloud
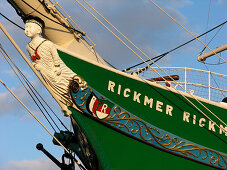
222	1
43	164
140	21
175	3
10	73
9	104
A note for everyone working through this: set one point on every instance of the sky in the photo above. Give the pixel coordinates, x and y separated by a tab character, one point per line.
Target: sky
142	22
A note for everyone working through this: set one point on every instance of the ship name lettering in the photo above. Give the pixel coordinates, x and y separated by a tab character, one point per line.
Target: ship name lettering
139	98
159	106
202	122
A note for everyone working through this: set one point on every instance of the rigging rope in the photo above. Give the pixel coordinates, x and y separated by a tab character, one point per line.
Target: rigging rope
145	68
164	54
183	87
205	33
45	102
212	39
109	30
208	18
11	21
114	28
129	68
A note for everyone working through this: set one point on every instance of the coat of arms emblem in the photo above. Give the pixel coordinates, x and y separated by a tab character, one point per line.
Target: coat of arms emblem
98	107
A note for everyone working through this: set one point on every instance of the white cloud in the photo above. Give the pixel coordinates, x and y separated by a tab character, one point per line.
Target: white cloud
39	164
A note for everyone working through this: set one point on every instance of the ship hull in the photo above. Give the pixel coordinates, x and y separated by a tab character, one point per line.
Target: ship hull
186	136
117	151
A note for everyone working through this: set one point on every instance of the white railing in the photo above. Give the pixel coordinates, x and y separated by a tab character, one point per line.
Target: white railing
206	84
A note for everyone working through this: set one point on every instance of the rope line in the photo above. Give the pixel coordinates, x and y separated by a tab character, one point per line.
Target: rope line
208	18
205	33
135	45
212	39
11	21
109	30
129	68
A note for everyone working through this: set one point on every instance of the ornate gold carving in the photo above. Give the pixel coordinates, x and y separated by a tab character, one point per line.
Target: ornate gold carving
82	84
140	129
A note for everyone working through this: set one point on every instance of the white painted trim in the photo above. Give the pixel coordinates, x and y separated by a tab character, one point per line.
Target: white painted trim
218	104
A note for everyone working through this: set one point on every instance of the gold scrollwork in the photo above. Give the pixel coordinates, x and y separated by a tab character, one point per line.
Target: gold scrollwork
82	84
136	126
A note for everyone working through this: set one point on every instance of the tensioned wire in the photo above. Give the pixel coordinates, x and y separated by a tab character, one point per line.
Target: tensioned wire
208	18
77	162
179	92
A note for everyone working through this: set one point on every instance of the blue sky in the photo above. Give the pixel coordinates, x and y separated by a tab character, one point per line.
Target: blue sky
141	22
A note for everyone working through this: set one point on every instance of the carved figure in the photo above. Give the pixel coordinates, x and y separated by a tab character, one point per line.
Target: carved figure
46	60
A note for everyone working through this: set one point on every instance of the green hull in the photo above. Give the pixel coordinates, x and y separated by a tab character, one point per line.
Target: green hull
116	151
166	111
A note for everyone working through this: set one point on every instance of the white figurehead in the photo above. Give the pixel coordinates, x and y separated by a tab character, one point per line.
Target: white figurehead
45	59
